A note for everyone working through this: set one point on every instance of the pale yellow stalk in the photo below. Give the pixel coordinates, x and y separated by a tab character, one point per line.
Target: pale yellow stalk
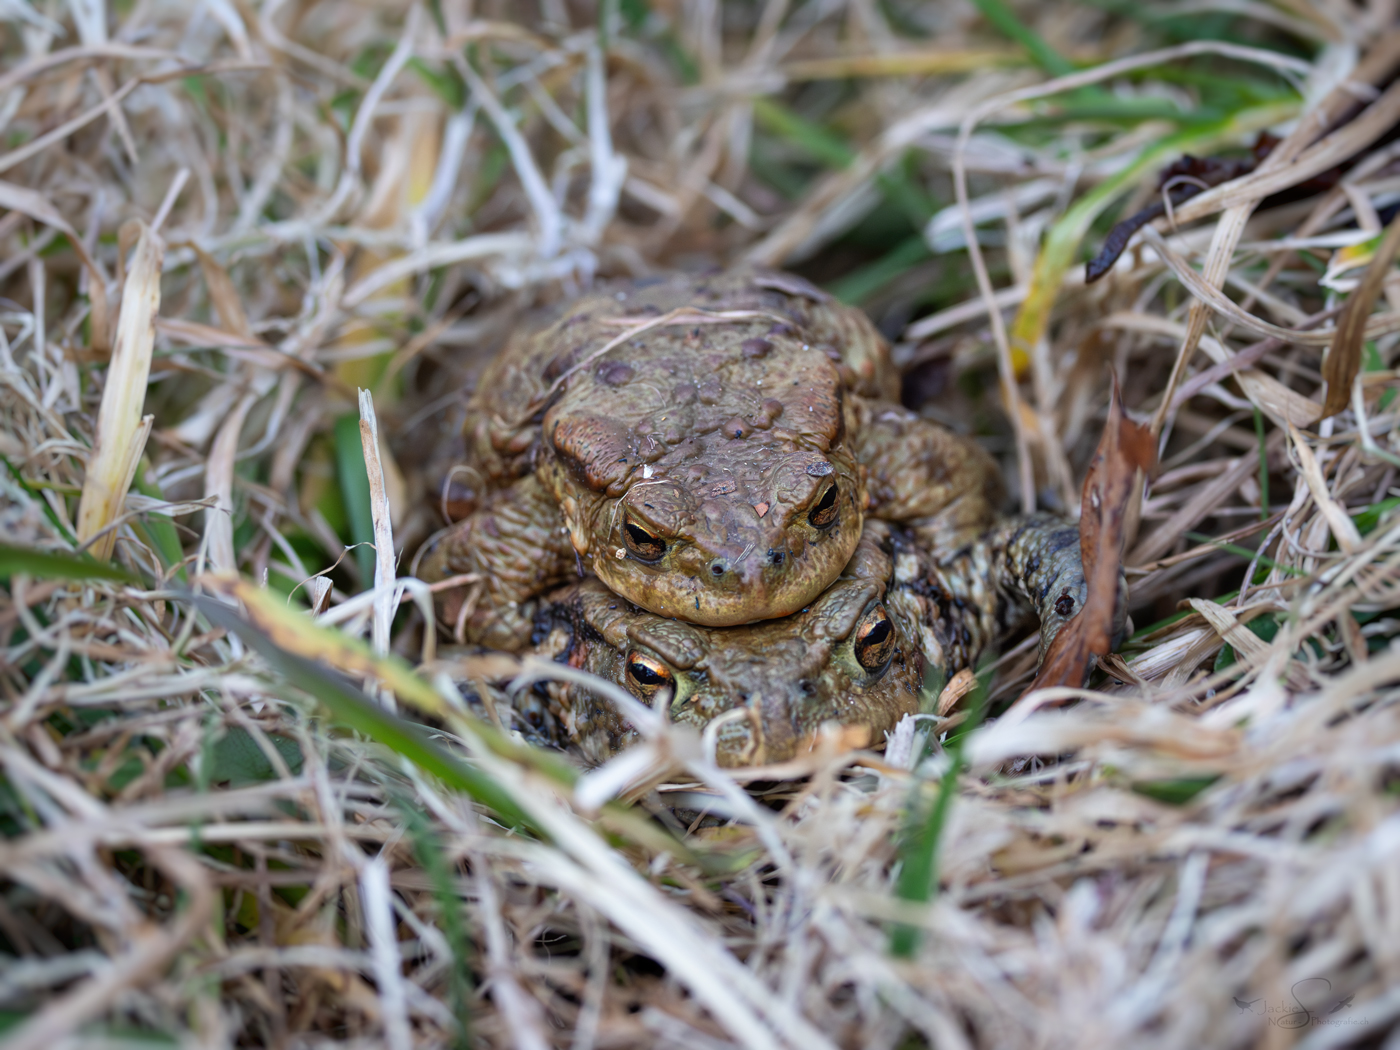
121	433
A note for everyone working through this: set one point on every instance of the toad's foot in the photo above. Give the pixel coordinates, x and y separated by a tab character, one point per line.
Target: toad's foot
960	604
510	550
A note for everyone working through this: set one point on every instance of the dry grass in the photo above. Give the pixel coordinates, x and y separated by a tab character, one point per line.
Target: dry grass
210	840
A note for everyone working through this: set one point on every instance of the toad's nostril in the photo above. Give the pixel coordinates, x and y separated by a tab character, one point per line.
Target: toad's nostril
718	567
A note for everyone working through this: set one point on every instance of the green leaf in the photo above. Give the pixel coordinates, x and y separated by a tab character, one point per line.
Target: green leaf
1368	518
49	513
354	710
354	487
1176	791
51	565
1004	20
1264	626
825	146
918	853
446	83
236	759
161	530
451	918
858	286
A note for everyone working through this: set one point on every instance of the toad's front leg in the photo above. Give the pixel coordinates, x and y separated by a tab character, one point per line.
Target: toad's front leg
924	475
516	547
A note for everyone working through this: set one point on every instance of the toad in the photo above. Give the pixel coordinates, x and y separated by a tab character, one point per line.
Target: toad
857	657
708	447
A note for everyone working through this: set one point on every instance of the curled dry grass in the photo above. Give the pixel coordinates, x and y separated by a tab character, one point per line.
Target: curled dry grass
212	839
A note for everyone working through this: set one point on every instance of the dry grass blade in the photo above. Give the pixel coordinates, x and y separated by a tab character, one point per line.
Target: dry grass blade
1343	360
120	437
385	600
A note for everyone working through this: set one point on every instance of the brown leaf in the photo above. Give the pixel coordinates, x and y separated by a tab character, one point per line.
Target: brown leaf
1344	356
1125	448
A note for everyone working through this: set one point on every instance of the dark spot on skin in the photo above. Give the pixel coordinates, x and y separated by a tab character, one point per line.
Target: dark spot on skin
1064	604
775	557
737	428
755	348
782	329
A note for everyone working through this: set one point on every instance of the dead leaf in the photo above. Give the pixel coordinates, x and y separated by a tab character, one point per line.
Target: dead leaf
1125	448
1343	360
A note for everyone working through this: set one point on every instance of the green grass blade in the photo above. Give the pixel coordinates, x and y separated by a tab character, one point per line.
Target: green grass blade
160	528
428	849
354	488
1005	22
54	566
54	519
1062	242
1177	791
918	873
858	286
351	708
826	146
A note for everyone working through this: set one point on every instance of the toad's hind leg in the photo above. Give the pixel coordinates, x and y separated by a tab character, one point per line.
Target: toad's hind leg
517	548
959	603
924	475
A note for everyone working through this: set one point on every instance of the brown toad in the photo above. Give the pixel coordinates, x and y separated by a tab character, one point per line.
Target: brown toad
708	447
855	657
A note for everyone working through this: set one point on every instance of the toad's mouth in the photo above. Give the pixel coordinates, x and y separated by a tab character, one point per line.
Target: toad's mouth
768	577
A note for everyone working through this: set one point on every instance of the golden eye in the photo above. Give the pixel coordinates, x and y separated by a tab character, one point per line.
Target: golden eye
644	545
874	640
823	515
646	675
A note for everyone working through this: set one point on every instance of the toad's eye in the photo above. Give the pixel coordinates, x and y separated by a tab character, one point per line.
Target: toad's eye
644	545
874	640
646	674
823	515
